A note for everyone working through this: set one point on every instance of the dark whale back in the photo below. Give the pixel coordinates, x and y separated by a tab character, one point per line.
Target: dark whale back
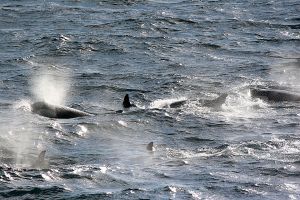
55	111
274	95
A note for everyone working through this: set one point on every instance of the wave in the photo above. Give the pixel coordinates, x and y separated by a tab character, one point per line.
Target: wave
33	192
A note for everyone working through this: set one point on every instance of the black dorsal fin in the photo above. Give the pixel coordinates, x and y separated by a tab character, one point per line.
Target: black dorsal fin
150	146
126	102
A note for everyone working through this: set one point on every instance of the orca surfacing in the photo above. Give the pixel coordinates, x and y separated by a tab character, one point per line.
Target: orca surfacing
56	111
274	95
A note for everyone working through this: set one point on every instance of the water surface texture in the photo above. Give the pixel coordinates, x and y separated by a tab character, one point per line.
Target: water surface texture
88	54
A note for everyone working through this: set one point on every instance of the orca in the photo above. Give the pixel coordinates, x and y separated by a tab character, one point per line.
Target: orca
56	111
274	95
207	103
150	146
217	103
41	162
126	102
174	104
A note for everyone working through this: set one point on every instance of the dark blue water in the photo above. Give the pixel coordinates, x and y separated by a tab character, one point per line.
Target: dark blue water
89	54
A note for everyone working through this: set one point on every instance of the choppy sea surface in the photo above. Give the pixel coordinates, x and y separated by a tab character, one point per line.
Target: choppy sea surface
88	54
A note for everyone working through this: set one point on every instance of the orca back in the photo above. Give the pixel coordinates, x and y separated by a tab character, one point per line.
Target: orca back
274	95
54	111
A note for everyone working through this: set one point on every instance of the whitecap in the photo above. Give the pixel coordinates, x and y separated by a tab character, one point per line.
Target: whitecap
122	123
82	130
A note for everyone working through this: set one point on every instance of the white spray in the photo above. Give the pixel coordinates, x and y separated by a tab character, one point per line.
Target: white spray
51	85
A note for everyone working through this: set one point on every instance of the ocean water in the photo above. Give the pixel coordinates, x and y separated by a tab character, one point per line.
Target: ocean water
88	54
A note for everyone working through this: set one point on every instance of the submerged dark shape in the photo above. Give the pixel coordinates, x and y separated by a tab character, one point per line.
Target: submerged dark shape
56	111
274	95
215	102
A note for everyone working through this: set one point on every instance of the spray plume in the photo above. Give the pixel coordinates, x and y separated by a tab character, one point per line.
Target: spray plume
51	86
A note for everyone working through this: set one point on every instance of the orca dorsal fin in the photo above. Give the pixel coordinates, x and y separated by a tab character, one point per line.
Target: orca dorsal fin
150	146
40	162
126	102
41	157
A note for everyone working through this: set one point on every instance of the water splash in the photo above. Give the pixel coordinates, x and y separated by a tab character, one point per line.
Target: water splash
82	130
241	105
21	139
165	103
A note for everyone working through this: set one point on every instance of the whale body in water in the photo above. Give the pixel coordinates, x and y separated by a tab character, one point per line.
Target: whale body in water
173	104
216	103
56	111
274	95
